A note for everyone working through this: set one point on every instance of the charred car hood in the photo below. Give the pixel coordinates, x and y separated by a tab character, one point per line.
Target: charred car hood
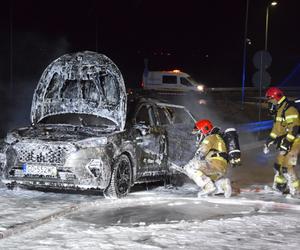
82	83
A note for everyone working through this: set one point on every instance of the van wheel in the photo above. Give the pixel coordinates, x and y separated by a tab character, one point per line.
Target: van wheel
120	181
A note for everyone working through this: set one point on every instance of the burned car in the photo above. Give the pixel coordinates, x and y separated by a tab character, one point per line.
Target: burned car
85	134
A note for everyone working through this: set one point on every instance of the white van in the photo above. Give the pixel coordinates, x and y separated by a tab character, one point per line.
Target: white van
173	80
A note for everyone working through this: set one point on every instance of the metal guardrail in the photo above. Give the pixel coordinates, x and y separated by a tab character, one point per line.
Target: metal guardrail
250	89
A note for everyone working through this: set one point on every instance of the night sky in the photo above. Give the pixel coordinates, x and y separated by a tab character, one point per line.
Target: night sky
203	38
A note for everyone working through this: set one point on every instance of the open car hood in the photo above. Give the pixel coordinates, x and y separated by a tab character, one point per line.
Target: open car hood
82	83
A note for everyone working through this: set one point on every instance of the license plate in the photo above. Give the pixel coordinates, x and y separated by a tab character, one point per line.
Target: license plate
39	170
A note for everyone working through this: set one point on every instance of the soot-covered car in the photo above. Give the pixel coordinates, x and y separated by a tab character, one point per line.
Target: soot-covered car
85	134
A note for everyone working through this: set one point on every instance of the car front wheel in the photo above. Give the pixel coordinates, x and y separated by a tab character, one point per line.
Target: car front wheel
120	181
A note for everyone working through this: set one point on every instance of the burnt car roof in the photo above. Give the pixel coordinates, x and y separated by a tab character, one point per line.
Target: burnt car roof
83	83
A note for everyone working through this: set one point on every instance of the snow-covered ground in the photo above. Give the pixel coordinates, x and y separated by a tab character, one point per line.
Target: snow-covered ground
159	218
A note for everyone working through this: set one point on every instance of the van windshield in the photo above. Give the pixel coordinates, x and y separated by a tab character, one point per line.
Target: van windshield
192	81
185	82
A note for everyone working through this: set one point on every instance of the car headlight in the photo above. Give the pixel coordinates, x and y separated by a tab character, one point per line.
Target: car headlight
200	88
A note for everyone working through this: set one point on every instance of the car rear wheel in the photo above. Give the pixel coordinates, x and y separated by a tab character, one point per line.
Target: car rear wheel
120	181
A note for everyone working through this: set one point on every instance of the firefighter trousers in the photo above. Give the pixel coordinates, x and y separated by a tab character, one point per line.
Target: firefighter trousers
285	167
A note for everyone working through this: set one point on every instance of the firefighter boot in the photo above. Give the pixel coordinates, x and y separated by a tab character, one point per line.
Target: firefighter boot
208	189
223	186
279	183
293	182
294	187
205	183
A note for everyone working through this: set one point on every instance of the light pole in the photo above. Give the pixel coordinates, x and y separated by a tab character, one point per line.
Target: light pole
273	3
245	54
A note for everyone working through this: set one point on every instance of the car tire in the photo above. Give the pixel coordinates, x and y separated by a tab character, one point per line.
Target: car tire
177	180
121	177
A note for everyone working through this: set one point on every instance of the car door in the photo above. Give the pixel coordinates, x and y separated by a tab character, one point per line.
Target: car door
180	140
149	142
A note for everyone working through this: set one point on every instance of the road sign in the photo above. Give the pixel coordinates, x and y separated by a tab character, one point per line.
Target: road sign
262	60
263	77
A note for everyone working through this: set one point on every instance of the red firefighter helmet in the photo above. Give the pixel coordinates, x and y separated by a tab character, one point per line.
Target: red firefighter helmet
274	93
204	126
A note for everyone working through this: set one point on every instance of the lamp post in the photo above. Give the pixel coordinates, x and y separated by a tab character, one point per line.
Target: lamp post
245	54
272	4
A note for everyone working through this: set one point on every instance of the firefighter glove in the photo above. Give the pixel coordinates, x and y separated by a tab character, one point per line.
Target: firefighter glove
270	141
266	149
285	146
235	159
267	144
236	162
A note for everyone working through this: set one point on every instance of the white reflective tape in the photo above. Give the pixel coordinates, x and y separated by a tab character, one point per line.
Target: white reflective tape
229	130
220	146
273	135
279	119
234	151
283	147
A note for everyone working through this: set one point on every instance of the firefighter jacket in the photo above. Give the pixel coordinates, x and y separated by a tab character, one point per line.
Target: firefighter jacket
213	149
286	121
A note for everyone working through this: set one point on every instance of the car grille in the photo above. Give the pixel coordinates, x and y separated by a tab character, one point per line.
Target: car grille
43	153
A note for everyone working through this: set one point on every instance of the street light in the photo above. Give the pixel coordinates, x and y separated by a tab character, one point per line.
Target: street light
246	41
274	3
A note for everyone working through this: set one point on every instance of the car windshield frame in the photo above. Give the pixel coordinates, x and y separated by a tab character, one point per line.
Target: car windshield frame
166	105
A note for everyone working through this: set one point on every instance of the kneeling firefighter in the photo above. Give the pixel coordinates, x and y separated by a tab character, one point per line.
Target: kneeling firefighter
210	163
285	136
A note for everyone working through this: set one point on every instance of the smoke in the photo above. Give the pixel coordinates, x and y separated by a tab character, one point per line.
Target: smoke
224	110
31	54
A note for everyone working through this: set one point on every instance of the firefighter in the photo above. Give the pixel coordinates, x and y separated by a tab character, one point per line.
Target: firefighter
209	165
284	136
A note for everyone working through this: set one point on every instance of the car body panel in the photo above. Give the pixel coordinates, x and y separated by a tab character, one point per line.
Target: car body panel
83	156
82	162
